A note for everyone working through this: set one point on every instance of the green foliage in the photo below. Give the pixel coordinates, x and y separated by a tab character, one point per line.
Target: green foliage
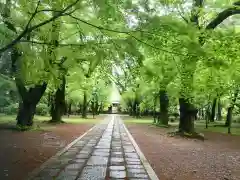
154	45
11	109
42	109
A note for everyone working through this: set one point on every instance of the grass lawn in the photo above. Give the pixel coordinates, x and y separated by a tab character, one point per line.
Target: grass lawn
199	125
138	121
234	130
40	122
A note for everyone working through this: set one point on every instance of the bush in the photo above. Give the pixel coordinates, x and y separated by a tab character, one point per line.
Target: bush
236	119
75	109
42	109
11	109
176	115
172	119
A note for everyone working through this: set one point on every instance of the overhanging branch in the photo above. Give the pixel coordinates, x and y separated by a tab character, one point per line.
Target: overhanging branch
28	30
52	44
130	33
222	16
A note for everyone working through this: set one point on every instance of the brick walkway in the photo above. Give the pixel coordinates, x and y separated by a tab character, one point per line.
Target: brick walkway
105	152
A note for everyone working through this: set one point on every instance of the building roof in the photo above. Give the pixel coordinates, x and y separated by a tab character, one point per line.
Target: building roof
115	102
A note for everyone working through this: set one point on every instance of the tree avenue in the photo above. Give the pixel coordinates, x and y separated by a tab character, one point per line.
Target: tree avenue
173	57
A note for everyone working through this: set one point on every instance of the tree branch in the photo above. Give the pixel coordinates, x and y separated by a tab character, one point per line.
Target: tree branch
222	16
198	4
181	14
126	32
28	30
63	44
21	87
5	13
36	91
100	27
51	44
33	15
164	50
6	77
64	38
236	3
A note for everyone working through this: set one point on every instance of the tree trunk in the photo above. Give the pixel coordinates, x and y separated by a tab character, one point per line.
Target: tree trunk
84	107
58	105
134	108
230	110
187	110
208	116
93	109
65	111
69	112
26	113
96	105
110	109
27	106
49	99
229	116
187	116
130	111
80	108
200	114
229	119
219	113
213	110
164	103
31	97
137	110
206	123
100	108
203	115
208	113
154	109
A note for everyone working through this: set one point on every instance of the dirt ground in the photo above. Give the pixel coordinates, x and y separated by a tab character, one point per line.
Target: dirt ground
175	158
22	152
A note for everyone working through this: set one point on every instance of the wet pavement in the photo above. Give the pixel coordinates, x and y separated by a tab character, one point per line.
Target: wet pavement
105	152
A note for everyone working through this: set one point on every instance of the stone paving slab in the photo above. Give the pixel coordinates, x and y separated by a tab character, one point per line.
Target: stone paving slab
106	152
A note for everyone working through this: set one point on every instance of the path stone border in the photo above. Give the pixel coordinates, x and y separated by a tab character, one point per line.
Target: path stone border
145	162
107	150
32	174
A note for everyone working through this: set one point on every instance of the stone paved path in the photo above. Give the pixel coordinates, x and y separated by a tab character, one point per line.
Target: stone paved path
106	152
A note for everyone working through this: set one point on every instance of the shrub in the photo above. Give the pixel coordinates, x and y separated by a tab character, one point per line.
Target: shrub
236	119
172	119
11	109
42	109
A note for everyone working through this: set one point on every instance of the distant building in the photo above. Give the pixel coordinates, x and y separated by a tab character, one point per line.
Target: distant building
115	106
115	100
115	96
